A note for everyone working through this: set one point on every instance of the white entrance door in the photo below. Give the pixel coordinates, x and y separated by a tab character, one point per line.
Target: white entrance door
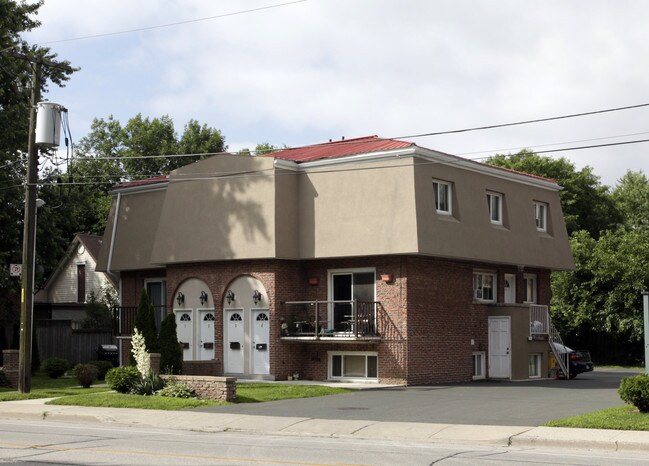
510	288
206	348
260	342
185	332
499	348
234	341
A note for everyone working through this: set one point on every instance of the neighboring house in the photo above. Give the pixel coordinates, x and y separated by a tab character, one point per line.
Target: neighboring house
66	291
366	259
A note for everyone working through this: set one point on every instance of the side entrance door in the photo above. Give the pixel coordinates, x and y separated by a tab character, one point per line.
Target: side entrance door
500	365
260	342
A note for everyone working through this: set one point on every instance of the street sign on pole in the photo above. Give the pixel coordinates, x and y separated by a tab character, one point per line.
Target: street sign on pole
15	270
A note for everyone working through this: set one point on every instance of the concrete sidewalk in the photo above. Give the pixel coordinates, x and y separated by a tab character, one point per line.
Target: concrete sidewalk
519	436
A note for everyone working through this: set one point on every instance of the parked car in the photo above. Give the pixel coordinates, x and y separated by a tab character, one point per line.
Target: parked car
578	360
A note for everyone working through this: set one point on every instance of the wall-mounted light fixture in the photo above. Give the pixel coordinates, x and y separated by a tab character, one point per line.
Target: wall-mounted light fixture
229	296
387	277
257	297
180	298
313	281
203	298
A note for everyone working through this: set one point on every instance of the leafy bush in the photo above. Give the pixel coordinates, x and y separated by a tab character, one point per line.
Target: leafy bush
4	381
102	368
176	389
86	374
122	379
55	367
147	384
635	391
171	354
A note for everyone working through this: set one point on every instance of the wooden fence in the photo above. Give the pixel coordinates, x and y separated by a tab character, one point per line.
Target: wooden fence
55	339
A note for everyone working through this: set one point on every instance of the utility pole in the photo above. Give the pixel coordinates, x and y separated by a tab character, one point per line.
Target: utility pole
29	230
29	237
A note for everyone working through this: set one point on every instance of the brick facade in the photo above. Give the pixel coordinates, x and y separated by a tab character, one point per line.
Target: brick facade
11	366
428	321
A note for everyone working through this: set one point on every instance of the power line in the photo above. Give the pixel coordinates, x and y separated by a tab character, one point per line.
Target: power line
524	122
177	23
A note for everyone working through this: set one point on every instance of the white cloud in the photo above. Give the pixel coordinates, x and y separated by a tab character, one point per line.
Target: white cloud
316	70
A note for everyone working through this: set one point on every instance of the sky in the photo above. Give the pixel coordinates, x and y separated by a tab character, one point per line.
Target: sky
304	72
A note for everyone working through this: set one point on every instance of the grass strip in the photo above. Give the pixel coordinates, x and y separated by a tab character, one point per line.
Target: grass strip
121	400
625	417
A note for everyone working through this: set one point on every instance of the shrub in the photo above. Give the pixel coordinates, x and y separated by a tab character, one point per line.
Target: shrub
122	379
55	367
176	389
147	384
635	391
145	322
171	354
4	381
86	374
102	368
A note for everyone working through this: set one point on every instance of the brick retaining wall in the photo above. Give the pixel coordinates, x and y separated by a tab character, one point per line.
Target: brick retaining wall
208	387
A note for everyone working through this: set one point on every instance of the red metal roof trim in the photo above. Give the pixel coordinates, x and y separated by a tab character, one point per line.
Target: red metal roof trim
342	148
152	180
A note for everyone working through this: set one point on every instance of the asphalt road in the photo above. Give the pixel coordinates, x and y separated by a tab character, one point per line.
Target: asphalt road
529	403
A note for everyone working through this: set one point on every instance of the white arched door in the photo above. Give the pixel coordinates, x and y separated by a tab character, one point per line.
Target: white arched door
206	340
235	342
185	332
260	342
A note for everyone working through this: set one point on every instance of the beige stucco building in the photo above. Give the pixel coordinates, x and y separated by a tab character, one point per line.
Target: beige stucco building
348	260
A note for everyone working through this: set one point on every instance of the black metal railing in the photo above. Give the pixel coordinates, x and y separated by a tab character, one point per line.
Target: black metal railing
331	318
125	318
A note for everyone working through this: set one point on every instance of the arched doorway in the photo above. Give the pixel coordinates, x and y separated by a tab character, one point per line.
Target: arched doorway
246	328
194	311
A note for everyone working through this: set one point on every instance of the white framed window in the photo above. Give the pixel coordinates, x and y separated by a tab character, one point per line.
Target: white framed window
541	216
495	205
443	193
534	365
353	365
530	288
479	368
484	286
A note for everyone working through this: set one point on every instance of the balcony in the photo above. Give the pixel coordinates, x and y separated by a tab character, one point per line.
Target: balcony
539	321
331	321
126	318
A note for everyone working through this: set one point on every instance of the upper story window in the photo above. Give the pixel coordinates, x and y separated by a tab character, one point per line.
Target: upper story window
495	205
530	288
484	286
442	190
541	215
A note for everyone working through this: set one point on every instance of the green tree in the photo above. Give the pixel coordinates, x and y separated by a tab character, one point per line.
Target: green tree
145	322
603	295
586	203
16	18
171	354
631	195
98	314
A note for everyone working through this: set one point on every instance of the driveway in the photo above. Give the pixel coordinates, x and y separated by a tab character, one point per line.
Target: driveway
489	402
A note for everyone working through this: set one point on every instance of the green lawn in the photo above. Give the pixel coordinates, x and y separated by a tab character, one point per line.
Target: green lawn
67	392
619	418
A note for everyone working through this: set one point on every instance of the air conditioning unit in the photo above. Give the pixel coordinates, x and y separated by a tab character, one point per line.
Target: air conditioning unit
477	294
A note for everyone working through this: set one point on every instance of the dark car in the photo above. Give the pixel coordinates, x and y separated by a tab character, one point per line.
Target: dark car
578	360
